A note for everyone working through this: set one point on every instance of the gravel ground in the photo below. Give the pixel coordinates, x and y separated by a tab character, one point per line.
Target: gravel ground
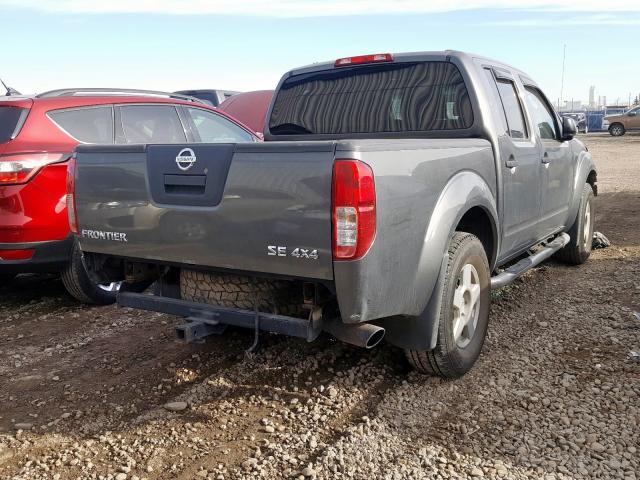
108	393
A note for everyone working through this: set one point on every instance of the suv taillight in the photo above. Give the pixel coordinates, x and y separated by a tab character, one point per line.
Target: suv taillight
71	195
19	168
354	209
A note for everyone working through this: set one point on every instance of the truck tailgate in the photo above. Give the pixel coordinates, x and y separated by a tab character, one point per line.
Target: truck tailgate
263	207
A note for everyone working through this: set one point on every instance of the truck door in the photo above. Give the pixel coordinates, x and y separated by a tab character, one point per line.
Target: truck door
520	163
556	164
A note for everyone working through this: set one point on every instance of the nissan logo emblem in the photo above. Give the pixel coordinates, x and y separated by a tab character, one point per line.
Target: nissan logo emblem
186	159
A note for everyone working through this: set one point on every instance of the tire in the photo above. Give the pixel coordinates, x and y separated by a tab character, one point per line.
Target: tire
6	278
236	291
79	285
616	130
455	354
577	251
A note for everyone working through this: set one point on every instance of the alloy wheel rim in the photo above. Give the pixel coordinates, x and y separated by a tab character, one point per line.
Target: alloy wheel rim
110	287
587	224
466	305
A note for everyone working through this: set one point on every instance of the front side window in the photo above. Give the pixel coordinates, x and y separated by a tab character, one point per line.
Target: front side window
151	124
87	125
213	128
390	97
543	120
512	109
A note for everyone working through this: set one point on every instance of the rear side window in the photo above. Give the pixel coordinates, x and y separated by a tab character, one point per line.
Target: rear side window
512	109
214	128
497	110
11	119
151	124
87	125
393	97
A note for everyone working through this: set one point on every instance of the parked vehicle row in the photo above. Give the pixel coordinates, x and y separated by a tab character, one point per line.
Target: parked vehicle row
391	194
38	135
581	121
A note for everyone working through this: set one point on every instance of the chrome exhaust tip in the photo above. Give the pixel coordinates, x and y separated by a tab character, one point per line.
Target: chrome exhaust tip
363	335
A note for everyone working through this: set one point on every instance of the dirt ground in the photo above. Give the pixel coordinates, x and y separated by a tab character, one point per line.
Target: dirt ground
84	390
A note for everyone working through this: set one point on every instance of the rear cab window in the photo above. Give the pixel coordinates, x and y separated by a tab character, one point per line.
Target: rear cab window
86	124
11	121
380	98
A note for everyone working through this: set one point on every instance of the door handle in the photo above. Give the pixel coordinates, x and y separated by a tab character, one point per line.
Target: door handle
545	158
511	162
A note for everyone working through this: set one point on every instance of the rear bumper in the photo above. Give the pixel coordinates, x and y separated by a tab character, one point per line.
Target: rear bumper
51	256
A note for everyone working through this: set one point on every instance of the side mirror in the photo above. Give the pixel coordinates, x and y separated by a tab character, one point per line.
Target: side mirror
569	128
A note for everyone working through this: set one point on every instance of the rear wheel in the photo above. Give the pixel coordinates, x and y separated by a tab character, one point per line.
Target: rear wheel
77	282
617	130
578	249
464	314
6	278
237	291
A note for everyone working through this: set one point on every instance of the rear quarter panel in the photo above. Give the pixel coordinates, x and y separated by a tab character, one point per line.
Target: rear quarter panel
423	187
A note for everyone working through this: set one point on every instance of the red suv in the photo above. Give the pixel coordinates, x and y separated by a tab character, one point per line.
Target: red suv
38	135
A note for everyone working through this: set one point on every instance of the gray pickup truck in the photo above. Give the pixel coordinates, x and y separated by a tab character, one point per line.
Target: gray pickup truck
391	194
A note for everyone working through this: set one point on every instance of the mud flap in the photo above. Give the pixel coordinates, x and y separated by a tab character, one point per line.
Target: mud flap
421	332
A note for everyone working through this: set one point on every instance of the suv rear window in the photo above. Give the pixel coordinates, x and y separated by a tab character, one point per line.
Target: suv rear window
87	124
394	97
11	119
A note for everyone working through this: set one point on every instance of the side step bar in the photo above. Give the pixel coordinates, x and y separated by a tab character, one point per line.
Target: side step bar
516	270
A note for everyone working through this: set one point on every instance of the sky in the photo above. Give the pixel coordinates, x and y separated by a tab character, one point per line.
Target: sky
248	44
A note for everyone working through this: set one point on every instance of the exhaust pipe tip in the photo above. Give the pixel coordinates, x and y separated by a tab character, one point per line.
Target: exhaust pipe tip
375	338
362	335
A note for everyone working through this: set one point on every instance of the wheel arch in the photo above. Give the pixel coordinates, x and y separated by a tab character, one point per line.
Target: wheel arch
478	221
585	173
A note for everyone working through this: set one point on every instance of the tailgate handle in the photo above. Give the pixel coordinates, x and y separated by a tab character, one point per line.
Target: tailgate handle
185	184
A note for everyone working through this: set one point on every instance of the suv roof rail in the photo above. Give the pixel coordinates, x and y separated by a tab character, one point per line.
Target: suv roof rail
65	92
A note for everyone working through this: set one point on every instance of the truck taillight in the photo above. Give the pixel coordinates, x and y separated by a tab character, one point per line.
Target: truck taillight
18	168
71	195
354	209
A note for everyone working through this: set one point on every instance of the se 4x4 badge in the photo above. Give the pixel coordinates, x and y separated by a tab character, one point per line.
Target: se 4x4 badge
280	251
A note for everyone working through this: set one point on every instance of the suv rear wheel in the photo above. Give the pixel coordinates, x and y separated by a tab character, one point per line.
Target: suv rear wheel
464	314
6	278
617	130
77	282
